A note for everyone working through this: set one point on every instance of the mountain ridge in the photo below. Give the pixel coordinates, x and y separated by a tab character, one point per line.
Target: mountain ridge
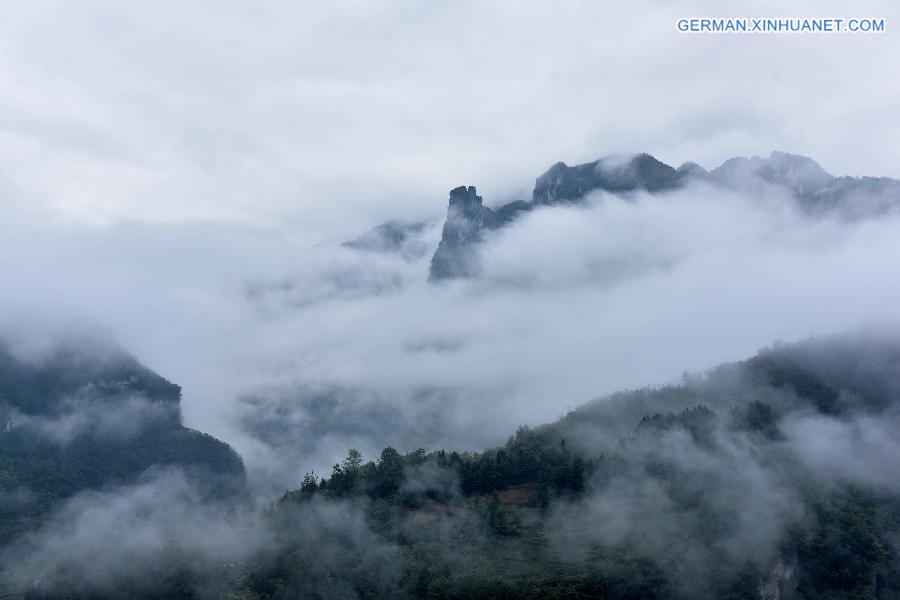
816	191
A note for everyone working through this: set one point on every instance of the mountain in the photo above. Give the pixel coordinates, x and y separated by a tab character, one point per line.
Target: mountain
772	477
85	415
40	383
466	218
393	236
612	174
816	192
799	174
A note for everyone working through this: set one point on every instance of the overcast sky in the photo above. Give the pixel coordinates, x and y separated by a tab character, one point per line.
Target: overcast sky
327	115
158	159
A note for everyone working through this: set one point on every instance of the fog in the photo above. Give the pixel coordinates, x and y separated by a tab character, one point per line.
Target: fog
735	494
106	541
737	490
293	353
324	119
180	182
182	179
120	417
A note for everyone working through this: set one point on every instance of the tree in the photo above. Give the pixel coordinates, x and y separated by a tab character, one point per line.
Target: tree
499	521
353	461
389	473
309	485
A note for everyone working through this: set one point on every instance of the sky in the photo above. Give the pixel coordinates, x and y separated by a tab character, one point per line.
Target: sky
158	161
322	117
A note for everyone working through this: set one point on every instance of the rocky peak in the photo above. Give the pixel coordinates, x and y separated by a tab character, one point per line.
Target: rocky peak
465	214
466	218
692	169
547	186
799	174
615	174
794	170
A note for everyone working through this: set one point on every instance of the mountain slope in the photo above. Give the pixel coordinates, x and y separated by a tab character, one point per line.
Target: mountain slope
84	416
772	477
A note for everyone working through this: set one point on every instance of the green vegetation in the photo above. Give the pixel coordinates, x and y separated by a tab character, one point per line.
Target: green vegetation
76	420
762	479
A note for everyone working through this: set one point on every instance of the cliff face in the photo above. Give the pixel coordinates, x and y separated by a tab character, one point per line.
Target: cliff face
466	218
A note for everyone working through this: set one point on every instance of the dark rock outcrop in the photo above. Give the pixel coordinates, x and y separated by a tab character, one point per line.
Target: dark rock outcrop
612	174
466	218
509	212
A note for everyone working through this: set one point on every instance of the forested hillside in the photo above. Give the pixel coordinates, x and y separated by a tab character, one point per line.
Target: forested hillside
79	415
761	479
769	478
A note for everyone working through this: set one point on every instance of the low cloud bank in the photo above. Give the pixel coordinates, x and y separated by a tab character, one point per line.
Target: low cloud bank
294	353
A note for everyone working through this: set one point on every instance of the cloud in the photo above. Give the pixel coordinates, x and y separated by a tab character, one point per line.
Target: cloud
860	451
183	177
293	353
705	497
118	417
708	492
573	302
181	539
98	536
166	113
